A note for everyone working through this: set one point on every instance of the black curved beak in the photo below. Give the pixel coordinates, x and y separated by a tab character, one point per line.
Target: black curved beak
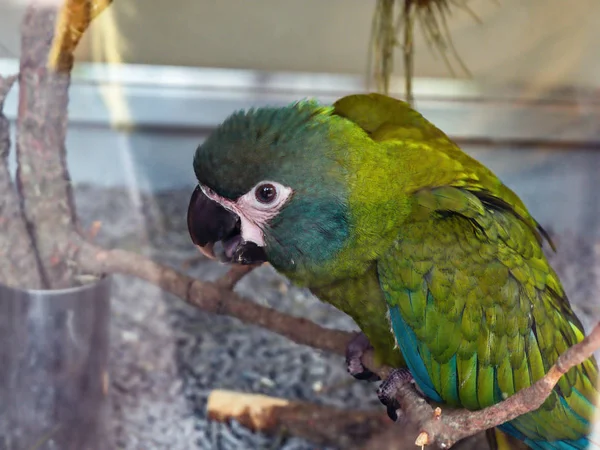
210	223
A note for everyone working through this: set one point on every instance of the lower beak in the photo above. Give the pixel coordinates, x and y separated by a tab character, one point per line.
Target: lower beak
210	223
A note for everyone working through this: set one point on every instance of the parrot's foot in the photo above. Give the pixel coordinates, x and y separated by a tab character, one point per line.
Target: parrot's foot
355	350
388	389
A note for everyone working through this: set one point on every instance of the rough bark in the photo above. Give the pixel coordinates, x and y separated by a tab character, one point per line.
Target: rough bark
18	265
42	177
216	297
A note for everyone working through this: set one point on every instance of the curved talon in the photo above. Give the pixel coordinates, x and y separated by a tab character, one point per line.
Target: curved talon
392	409
389	401
355	350
367	375
388	389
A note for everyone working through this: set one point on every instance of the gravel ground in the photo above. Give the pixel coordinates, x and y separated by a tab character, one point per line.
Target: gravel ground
167	356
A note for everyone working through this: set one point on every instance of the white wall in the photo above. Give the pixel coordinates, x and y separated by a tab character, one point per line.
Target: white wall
543	43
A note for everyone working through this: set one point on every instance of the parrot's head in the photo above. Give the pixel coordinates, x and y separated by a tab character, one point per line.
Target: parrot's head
273	187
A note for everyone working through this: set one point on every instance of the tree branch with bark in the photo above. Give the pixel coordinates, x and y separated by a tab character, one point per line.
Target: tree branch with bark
442	428
18	266
43	223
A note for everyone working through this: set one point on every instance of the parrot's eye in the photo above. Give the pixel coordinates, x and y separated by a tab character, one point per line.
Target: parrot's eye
266	193
265	196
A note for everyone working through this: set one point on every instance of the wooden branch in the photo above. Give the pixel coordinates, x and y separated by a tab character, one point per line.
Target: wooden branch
42	175
438	427
233	275
74	19
49	37
18	265
322	425
210	297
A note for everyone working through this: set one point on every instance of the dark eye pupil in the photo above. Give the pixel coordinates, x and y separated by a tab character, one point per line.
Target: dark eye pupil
266	193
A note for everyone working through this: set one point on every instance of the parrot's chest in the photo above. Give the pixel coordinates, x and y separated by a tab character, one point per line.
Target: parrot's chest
362	299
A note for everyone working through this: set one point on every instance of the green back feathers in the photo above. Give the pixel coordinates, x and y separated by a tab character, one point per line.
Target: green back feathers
385	118
434	158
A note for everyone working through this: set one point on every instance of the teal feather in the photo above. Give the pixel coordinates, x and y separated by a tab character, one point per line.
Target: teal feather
409	346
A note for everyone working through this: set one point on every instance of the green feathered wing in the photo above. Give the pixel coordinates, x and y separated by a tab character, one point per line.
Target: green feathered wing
479	314
475	307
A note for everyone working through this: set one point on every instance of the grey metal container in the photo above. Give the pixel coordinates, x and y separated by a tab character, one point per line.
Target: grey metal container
53	368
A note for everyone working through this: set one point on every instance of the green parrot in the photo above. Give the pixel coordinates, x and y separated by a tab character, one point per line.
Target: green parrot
380	214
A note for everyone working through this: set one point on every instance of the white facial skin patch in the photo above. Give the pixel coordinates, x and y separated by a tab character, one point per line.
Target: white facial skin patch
254	214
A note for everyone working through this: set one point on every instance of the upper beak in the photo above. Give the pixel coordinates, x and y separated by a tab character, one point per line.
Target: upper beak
209	223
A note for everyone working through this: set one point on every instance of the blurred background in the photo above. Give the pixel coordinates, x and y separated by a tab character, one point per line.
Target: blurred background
153	78
176	69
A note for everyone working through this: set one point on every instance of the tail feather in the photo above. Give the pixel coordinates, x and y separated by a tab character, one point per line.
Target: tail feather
499	440
580	444
507	437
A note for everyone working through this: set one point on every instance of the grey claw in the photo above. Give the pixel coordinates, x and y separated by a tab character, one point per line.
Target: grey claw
355	350
388	389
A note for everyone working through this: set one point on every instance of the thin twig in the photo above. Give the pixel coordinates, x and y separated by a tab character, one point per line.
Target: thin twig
233	275
209	296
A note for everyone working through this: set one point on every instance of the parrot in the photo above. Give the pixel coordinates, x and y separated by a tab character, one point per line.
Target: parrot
377	212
